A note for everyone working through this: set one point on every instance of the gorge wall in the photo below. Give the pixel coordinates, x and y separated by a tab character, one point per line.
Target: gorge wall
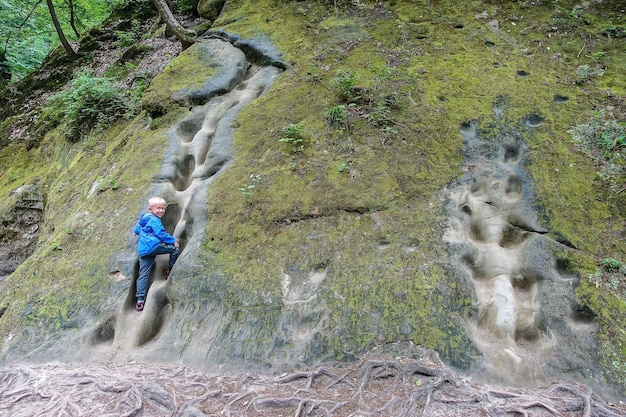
448	207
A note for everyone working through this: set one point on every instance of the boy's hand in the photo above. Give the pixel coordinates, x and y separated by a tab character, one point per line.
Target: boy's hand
176	243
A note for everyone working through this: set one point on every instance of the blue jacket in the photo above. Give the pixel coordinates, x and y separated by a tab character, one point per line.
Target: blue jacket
151	233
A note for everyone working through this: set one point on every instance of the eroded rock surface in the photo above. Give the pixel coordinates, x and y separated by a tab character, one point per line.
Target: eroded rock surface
199	149
527	323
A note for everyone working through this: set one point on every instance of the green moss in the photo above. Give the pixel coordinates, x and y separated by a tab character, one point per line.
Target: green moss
186	72
610	308
18	167
62	283
598	293
443	80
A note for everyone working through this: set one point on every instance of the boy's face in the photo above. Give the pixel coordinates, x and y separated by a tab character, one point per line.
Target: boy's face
157	209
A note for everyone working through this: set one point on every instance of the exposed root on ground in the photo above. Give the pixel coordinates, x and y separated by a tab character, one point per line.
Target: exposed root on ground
375	386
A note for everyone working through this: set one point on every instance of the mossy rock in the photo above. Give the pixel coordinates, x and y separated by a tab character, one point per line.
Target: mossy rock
372	228
135	52
210	9
202	27
187	80
91	40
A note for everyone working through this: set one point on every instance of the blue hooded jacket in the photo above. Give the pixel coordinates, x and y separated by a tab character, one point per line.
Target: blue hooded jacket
151	233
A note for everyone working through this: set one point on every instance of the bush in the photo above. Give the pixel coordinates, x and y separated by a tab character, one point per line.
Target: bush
88	103
124	39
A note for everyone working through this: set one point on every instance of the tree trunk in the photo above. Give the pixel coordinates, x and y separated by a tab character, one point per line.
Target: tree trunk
5	69
185	36
57	26
70	4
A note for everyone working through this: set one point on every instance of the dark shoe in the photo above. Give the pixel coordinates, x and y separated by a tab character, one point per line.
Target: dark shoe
139	306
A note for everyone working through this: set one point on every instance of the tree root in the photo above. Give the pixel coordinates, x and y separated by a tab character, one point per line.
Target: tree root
375	386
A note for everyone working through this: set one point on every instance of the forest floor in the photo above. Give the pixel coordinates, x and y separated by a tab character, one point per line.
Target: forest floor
377	385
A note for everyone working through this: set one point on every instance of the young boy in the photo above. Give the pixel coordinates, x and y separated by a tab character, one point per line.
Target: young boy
153	240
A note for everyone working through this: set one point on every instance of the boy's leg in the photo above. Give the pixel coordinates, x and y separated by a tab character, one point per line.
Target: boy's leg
145	267
173	258
165	248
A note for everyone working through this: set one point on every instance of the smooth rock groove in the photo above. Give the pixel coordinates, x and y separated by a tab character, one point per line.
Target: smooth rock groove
199	150
525	323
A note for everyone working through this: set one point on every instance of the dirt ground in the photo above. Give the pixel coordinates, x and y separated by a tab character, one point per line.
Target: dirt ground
377	385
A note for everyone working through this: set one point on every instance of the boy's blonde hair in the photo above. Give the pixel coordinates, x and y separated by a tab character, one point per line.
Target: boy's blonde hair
156	200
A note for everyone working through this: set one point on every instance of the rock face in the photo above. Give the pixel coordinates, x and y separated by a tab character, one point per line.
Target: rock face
20	227
199	150
414	215
527	319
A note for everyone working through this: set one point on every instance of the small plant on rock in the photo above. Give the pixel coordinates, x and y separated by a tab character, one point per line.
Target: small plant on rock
611	264
344	85
585	72
338	117
293	134
380	117
249	188
604	140
615	31
566	18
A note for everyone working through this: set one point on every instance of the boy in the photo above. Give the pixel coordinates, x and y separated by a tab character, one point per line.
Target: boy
153	240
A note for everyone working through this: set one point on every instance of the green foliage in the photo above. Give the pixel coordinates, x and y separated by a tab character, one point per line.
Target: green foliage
111	184
89	102
141	81
249	188
124	38
380	117
596	56
293	135
375	104
338	117
567	18
30	36
614	31
604	140
119	70
185	6
344	85
585	72
611	276
610	263
27	42
127	33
